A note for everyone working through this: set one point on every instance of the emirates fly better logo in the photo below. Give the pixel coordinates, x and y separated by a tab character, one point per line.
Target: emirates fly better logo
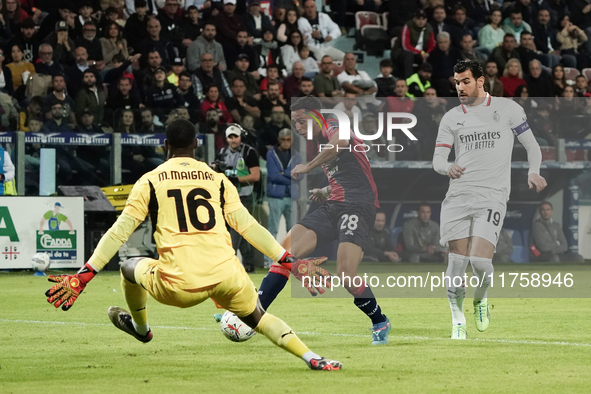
394	121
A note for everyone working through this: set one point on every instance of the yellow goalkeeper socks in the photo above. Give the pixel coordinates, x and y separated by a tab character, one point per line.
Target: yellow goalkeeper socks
281	335
136	297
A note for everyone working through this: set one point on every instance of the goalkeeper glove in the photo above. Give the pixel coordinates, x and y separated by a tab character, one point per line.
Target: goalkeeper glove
68	287
308	272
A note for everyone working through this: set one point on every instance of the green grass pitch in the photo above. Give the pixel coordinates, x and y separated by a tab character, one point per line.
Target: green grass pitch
532	345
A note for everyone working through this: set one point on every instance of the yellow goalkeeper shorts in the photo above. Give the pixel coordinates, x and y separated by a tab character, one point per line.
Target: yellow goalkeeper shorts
236	293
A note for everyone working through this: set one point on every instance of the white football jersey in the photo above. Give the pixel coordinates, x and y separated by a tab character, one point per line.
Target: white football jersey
482	137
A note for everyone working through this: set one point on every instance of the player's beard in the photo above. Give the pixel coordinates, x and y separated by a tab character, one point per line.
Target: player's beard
469	98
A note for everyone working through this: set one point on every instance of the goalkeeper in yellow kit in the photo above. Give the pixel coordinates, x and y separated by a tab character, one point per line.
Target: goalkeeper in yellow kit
189	205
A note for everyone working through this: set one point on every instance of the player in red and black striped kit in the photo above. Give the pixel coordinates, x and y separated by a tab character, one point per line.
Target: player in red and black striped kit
347	215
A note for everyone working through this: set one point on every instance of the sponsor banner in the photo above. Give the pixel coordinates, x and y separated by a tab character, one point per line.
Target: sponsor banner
68	138
6	137
52	225
143	139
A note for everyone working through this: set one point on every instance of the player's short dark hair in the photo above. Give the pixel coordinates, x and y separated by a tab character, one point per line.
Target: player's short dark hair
192	7
508	35
306	79
238	79
472	65
525	33
306	102
180	134
515	11
186	74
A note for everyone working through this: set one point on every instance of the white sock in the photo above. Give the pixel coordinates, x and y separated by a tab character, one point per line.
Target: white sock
309	356
482	268
143	329
456	267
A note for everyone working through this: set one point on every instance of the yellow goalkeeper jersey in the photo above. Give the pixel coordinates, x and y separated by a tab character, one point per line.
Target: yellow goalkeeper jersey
186	201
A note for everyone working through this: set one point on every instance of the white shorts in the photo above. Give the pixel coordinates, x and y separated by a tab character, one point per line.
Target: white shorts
468	214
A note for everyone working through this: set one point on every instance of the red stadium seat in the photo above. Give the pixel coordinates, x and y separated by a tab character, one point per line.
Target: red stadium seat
571	73
587	73
364	18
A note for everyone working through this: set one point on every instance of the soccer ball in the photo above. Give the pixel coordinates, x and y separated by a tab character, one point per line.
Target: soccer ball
234	329
40	262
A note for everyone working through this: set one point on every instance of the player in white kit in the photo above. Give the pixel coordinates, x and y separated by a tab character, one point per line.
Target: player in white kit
481	130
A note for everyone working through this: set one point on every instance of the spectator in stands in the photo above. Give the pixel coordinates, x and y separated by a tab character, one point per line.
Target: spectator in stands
64	13
241	103
543	126
243	170
131	6
492	83
349	106
443	59
59	95
438	22
281	189
33	111
318	31
206	43
113	43
325	83
515	25
558	80
548	243
20	71
385	80
504	52
290	51
9	113
56	123
420	81
271	99
176	68
570	38
460	25
171	22
268	51
421	238
256	22
145	75
569	109
212	126
309	63
580	86
512	77
289	25
28	39
125	123
356	81
521	97
469	53
429	112
272	76
75	73
504	248
228	24
527	51
492	34
251	135
401	101
124	98
399	13
270	131
291	84
546	41
241	71
62	44
86	124
148	126
379	246
207	75
136	26
212	100
154	41
84	15
93	45
13	14
162	94
538	85
239	46
191	25
414	45
90	96
187	97
307	87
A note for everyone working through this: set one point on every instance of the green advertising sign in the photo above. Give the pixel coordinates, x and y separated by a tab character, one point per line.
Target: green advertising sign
56	239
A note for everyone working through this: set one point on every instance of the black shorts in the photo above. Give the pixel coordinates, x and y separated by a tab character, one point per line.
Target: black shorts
347	222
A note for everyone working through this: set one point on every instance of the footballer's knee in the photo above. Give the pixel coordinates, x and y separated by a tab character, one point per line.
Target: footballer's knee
253	319
128	268
460	246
